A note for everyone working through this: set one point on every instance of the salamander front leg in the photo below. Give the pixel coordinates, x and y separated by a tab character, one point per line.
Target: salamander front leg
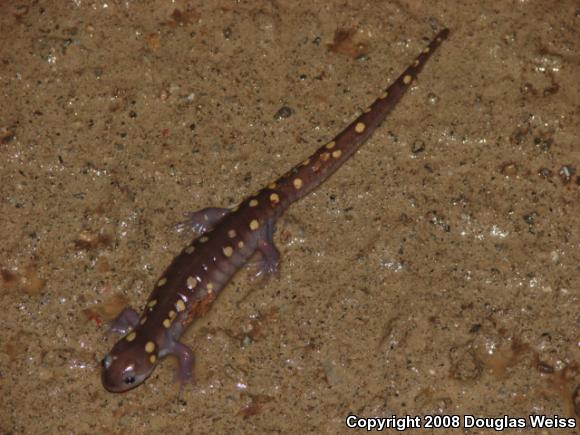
185	359
124	322
203	220
268	265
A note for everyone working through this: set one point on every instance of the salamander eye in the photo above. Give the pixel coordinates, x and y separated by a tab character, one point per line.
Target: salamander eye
128	375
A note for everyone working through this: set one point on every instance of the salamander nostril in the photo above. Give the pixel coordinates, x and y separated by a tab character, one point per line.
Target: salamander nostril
106	362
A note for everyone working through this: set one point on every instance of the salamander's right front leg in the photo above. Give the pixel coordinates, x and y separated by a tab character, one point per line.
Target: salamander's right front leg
124	322
203	220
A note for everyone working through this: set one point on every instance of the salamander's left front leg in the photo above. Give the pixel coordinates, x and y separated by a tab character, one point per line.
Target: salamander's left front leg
185	359
203	220
268	265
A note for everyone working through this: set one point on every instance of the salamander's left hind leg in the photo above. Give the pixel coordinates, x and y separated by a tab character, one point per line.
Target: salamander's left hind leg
203	220
268	265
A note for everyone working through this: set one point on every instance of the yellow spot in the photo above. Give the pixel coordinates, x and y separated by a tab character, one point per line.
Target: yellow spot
253	202
297	183
272	186
131	336
189	250
336	154
172	314
209	287
384	95
143	320
330	145
407	79
205	217
149	347
306	162
161	282
152	359
235	207
232	233
180	305
167	323
438	39
324	157
203	239
191	282
274	198
152	303
240	244
426	50
254	225
416	62
228	251
360	127
368	109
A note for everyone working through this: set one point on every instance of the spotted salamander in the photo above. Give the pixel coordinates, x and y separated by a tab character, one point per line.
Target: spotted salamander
227	238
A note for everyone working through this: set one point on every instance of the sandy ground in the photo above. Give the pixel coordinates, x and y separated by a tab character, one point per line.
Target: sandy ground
436	273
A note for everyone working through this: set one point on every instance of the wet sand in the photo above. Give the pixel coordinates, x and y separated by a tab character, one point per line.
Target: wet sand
436	273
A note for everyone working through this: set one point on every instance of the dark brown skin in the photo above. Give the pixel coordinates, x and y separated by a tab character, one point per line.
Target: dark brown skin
228	238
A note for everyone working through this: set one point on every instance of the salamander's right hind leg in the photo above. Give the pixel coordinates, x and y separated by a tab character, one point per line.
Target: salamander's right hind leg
203	220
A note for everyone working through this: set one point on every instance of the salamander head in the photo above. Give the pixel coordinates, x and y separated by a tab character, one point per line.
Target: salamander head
129	363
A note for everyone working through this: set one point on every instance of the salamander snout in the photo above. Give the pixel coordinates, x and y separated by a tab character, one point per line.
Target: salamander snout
126	366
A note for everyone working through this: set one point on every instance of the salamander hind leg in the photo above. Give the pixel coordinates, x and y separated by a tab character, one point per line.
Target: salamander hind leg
203	220
268	264
124	322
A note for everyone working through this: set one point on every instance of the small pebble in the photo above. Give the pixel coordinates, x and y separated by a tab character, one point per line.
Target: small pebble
566	172
432	98
418	147
530	218
284	112
509	169
545	172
